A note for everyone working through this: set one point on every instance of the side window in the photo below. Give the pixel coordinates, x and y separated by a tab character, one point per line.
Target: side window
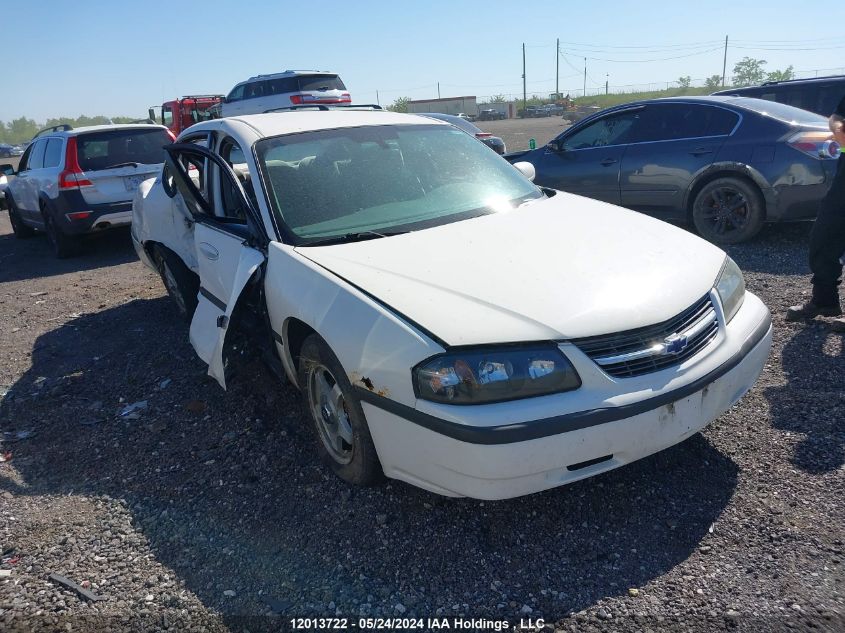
231	202
53	153
24	164
722	122
254	90
167	115
36	159
610	130
195	165
236	95
282	85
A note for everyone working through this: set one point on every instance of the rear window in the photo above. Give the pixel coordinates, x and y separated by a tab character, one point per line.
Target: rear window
780	111
101	150
320	82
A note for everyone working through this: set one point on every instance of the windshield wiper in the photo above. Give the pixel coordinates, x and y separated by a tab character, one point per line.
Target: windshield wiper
127	164
354	237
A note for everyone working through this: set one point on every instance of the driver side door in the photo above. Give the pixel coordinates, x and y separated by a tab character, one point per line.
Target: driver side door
230	242
587	160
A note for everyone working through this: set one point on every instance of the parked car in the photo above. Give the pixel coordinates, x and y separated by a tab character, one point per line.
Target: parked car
448	323
283	90
71	182
493	142
534	112
6	150
17	150
819	94
491	115
6	172
729	164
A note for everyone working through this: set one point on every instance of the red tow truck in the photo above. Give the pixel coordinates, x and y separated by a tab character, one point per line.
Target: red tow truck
184	112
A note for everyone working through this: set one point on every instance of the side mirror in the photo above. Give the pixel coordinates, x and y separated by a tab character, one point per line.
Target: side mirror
526	169
7	169
556	145
151	114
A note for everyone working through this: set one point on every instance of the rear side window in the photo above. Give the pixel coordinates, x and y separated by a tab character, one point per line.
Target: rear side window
53	153
282	85
667	122
103	150
36	158
780	111
319	82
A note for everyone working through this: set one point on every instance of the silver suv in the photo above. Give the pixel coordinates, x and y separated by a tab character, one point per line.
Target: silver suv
283	90
76	181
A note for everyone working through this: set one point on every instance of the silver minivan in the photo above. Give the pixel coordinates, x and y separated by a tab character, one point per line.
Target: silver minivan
282	90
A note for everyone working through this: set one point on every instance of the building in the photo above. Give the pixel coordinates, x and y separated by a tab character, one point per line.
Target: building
449	105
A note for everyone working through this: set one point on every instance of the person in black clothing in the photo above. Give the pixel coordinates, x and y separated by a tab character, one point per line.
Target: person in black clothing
827	241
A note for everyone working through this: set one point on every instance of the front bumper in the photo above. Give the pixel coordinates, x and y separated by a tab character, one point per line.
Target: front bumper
518	458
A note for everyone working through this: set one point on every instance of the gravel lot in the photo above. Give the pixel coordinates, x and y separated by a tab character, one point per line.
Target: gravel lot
517	132
207	510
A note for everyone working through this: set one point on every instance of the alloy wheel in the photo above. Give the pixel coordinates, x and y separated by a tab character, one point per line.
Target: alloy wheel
727	210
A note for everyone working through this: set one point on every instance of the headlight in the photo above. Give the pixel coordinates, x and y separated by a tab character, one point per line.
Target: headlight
731	288
479	376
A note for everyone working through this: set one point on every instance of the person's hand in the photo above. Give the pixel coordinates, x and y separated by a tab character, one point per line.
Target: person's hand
837	126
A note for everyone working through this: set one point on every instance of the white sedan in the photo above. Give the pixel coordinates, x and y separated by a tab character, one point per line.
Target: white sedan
449	323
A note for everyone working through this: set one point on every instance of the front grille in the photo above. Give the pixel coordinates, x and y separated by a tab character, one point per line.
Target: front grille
644	348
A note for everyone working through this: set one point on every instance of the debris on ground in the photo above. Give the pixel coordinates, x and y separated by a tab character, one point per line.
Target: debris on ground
88	595
131	411
16	436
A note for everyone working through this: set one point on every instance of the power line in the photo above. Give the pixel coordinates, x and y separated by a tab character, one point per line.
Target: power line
645	61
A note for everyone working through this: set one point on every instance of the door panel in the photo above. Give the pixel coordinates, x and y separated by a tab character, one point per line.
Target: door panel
593	173
226	263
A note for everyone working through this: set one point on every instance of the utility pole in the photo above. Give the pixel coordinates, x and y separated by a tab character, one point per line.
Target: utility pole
725	62
557	71
377	101
607	84
438	89
524	86
585	76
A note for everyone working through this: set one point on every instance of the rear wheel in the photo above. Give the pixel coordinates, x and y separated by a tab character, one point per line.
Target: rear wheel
180	282
63	245
21	230
728	211
343	437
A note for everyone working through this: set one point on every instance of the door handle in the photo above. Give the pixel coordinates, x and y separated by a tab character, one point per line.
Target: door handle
701	151
209	251
609	161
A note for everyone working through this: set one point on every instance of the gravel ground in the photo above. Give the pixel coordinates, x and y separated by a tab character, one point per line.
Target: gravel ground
207	510
517	132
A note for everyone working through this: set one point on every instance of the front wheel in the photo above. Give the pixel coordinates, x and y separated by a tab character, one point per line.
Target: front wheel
728	211
343	437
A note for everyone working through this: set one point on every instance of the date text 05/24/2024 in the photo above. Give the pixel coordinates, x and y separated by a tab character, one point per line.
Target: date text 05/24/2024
411	624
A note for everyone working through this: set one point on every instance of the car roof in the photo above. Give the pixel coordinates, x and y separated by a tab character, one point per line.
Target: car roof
289	73
295	121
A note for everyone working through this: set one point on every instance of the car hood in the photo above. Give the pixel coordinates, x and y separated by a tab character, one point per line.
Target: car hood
556	268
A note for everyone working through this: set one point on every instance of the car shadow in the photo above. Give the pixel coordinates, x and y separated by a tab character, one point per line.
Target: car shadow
812	403
33	258
226	488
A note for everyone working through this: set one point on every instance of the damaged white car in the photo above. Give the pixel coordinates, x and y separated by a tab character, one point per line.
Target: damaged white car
449	323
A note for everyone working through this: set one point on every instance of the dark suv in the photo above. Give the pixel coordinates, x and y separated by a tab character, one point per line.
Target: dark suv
820	95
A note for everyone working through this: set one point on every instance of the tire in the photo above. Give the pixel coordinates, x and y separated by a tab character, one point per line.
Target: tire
21	230
180	282
728	211
337	416
64	245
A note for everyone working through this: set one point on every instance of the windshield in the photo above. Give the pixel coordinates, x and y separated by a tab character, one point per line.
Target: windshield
384	179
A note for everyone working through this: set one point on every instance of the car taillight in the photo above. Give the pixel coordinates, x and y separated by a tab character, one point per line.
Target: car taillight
296	99
72	177
819	145
345	98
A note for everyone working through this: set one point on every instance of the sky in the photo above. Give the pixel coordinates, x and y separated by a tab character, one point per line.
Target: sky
119	58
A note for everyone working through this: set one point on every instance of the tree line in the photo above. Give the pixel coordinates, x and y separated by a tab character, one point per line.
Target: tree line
23	129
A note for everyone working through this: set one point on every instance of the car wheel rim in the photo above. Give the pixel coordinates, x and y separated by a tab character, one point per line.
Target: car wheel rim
726	210
173	288
330	412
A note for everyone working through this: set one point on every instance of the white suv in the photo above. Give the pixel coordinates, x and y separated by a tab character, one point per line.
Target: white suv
76	181
449	323
283	90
